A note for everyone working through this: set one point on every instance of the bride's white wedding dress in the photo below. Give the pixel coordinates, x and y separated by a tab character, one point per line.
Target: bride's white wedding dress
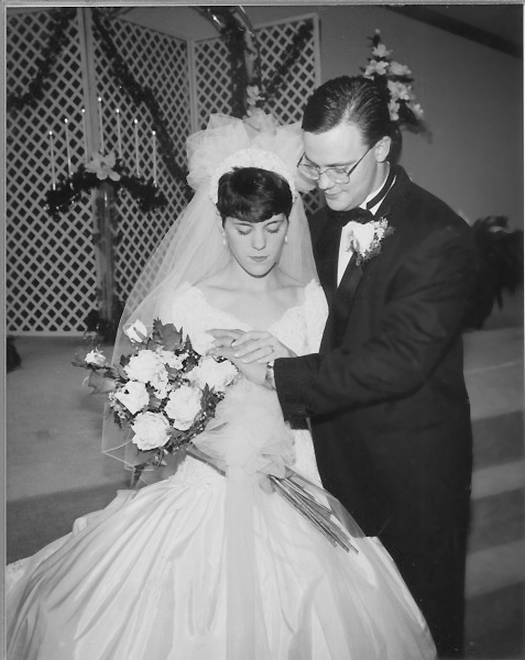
149	576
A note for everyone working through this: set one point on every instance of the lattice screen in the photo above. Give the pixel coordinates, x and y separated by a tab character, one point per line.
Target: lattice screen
51	279
159	62
212	76
50	265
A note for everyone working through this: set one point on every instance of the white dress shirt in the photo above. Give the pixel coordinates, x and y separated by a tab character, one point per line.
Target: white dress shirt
344	254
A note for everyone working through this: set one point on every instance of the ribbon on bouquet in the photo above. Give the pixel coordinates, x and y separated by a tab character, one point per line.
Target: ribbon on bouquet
251	444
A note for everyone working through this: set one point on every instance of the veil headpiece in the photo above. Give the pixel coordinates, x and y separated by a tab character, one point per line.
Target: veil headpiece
193	248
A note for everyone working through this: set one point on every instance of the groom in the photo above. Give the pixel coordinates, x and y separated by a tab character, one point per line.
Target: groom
386	395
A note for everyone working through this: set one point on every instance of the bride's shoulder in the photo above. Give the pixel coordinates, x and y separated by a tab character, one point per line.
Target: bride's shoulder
314	294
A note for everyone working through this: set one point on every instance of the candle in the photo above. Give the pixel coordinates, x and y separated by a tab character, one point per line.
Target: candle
119	137
136	122
68	149
154	144
85	133
52	149
100	125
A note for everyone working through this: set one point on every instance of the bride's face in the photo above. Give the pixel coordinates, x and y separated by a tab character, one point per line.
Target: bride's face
256	246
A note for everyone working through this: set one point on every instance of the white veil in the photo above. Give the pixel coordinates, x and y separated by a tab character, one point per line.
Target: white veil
193	248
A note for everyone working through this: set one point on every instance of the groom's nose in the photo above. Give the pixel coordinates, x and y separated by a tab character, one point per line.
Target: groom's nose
324	182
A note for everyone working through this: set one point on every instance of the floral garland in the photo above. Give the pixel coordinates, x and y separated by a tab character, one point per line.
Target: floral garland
395	82
58	38
299	41
246	92
139	94
99	169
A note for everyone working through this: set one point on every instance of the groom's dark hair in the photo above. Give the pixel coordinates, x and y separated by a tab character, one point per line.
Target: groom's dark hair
353	100
253	195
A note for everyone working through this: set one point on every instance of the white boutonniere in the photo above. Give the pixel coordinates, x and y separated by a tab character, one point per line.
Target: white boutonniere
365	239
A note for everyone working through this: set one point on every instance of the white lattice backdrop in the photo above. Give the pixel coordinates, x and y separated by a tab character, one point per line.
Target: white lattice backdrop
50	265
160	63
212	75
51	279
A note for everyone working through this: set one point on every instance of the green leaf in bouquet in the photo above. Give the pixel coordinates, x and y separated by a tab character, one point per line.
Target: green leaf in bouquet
79	361
117	371
154	402
172	338
100	383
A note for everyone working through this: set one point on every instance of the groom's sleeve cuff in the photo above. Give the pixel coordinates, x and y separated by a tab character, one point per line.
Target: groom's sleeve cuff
294	381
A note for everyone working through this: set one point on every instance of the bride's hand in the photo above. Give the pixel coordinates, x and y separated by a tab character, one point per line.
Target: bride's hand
259	346
222	347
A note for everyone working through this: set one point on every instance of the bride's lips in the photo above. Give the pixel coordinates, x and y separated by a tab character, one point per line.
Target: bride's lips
258	259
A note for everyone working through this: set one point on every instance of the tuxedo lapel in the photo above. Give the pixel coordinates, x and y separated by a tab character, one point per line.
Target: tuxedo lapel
342	303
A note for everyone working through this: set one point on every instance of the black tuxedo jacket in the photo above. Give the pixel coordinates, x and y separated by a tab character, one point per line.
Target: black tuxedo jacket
386	394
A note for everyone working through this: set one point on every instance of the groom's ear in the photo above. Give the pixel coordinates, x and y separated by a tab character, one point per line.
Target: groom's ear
382	149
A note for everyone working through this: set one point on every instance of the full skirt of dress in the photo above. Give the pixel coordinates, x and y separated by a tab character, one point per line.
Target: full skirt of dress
146	578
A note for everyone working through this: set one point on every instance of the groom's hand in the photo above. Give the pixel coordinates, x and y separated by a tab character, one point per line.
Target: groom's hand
259	346
224	345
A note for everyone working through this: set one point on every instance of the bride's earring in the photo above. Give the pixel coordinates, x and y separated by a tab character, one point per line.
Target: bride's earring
286	238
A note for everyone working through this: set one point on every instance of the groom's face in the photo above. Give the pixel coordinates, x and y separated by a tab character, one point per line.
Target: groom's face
342	147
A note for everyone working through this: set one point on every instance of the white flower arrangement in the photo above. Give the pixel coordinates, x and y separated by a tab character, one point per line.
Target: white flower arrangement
251	157
395	78
163	391
103	166
365	239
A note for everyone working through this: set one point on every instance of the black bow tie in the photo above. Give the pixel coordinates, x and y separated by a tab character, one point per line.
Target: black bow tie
358	214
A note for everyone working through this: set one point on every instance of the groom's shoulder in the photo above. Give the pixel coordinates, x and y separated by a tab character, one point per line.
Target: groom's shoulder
425	206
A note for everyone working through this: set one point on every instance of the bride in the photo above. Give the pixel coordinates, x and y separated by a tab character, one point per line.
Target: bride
209	563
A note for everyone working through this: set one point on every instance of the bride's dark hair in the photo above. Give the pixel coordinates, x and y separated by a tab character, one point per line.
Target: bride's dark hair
253	195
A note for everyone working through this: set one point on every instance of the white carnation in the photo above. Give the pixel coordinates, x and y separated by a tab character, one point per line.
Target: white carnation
381	51
398	69
96	358
361	236
183	406
134	396
376	67
151	430
217	375
171	359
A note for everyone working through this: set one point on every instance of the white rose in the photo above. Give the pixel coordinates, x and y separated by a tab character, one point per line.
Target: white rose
151	430
217	375
137	332
134	396
96	358
184	404
145	367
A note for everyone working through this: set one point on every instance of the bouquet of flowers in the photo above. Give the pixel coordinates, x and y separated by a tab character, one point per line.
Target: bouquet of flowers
163	391
166	393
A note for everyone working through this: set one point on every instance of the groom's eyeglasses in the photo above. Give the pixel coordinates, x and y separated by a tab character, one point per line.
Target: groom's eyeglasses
339	174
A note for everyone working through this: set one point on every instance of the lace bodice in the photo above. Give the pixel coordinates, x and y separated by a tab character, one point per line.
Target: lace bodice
300	328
